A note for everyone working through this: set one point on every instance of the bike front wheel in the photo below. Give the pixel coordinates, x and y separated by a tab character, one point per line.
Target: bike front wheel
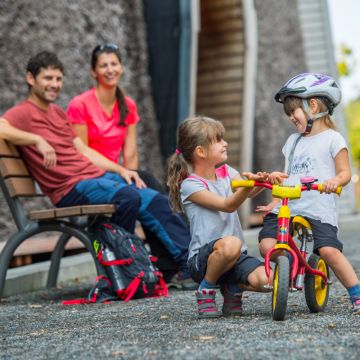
316	290
280	288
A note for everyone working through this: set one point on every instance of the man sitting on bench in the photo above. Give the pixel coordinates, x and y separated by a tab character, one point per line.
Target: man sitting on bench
71	173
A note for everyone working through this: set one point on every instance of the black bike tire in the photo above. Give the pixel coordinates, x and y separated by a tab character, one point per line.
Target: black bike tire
280	288
310	287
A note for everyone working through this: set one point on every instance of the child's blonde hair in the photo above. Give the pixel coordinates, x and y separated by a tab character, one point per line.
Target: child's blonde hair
195	131
292	102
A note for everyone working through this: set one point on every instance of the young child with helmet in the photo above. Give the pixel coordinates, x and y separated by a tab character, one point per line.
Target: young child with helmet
318	150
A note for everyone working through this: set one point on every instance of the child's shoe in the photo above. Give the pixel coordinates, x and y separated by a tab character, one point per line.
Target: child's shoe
232	302
356	307
206	304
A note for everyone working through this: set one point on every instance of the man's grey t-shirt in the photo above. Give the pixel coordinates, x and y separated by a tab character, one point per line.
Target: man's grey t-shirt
207	225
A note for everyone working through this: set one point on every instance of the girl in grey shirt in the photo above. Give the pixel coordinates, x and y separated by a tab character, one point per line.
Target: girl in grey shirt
202	189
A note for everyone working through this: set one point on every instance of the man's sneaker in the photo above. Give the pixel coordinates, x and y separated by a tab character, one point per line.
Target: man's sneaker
232	302
356	307
182	281
206	304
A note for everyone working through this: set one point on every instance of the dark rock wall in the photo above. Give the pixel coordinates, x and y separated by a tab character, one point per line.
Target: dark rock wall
72	28
280	56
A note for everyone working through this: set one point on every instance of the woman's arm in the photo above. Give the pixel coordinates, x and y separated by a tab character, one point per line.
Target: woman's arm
103	163
130	153
81	131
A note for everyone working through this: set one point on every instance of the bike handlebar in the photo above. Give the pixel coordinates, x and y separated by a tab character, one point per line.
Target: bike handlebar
282	191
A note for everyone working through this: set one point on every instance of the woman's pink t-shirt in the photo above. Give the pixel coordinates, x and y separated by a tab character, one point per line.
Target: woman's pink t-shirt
104	133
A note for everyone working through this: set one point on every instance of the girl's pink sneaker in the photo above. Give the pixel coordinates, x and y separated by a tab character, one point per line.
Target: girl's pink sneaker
206	304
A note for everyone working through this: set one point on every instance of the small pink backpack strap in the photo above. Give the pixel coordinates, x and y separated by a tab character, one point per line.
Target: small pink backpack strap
222	171
200	179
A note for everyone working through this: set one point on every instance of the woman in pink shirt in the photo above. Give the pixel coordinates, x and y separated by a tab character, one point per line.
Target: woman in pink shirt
105	119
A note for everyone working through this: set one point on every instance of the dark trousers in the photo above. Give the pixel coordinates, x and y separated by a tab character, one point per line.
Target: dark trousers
146	205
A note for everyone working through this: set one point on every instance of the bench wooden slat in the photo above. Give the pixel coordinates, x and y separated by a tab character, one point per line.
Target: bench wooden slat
13	167
49	214
21	187
42	214
98	209
7	149
54	213
68	211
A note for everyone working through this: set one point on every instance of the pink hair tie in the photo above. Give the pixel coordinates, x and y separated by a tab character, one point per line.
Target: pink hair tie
177	152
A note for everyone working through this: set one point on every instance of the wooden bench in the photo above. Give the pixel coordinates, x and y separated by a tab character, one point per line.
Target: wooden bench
16	182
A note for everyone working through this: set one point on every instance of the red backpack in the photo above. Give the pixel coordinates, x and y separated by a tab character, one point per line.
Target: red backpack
130	268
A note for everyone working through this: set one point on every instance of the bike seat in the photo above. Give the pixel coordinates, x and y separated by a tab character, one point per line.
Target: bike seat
302	225
300	220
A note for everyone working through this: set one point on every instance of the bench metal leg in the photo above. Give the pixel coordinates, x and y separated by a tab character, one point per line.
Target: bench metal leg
55	260
32	229
9	249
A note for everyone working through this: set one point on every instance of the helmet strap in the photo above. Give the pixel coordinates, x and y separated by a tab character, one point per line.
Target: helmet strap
310	119
309	126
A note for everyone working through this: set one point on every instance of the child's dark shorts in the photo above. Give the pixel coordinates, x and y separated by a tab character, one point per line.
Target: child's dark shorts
238	273
324	234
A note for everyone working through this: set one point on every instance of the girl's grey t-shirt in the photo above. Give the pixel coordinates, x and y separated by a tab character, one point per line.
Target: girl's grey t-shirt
207	225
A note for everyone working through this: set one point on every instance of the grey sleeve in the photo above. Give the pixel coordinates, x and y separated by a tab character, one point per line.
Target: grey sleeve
191	186
232	172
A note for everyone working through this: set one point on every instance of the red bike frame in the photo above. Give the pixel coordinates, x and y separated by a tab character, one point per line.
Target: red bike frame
285	241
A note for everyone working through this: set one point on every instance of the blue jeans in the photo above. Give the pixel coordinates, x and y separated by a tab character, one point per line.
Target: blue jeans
146	205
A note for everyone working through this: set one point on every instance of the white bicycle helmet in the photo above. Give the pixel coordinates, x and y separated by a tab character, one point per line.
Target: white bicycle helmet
309	85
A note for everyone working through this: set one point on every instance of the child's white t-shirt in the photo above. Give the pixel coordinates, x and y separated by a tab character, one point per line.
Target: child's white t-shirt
314	156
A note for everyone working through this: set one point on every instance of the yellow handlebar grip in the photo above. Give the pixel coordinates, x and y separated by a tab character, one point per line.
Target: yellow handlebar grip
337	191
242	183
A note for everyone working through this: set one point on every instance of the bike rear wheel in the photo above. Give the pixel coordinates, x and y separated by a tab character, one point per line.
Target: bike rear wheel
280	288
316	291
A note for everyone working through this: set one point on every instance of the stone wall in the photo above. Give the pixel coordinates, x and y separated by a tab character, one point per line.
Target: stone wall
280	56
72	28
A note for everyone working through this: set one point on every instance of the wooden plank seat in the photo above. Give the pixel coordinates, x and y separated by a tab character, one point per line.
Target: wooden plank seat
16	183
56	213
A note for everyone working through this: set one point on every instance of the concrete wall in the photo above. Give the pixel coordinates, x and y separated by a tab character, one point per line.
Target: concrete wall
280	56
72	28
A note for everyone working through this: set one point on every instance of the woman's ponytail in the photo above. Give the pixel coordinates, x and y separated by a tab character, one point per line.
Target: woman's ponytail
123	109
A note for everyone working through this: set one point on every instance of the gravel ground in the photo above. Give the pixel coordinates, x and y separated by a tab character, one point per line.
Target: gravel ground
37	326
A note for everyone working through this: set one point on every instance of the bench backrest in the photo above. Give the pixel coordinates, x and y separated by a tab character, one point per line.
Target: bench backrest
15	173
15	180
